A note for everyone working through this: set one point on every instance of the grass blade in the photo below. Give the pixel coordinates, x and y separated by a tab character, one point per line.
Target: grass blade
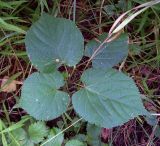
10	27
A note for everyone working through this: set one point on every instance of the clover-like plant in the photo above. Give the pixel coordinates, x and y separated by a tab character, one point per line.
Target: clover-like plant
108	97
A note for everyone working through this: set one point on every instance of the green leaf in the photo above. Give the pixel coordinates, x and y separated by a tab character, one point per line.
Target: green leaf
19	137
28	143
56	141
41	97
110	54
122	5
75	143
80	137
37	132
110	10
93	135
109	98
134	49
10	27
51	42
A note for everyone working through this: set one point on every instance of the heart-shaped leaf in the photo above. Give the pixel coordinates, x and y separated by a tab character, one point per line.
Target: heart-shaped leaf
41	97
110	53
51	42
109	98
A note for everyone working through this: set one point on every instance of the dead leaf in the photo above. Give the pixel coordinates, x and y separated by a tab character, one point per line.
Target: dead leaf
9	86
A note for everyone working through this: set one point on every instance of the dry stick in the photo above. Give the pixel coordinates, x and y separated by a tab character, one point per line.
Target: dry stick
13	50
100	17
115	31
122	64
113	34
117	21
152	134
155	114
148	4
128	19
107	40
74	11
